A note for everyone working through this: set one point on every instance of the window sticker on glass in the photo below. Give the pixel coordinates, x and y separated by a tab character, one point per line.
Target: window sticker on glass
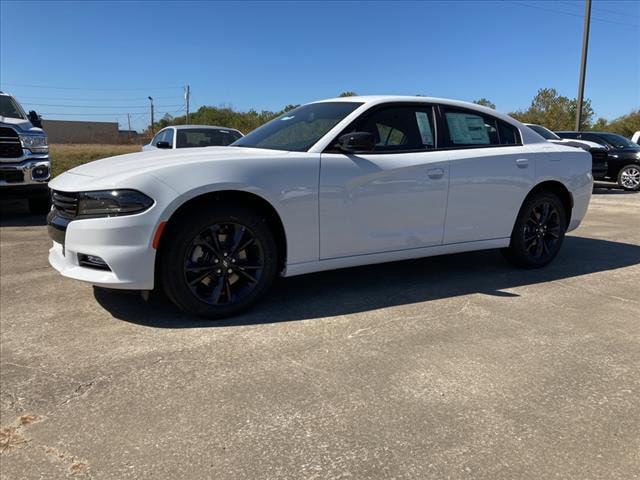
425	128
467	129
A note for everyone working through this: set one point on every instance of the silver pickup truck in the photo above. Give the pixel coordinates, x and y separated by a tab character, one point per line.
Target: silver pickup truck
25	167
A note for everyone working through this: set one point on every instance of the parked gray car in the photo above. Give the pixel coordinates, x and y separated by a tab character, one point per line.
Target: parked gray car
192	136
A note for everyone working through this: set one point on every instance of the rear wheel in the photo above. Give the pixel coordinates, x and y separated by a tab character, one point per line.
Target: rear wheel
539	231
218	264
629	177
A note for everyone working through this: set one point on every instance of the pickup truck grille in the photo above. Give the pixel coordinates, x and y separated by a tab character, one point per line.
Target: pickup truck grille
10	146
65	204
11	176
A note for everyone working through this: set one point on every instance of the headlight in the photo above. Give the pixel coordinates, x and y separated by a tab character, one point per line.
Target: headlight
111	203
35	143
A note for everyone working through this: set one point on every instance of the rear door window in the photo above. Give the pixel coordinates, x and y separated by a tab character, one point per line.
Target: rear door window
471	129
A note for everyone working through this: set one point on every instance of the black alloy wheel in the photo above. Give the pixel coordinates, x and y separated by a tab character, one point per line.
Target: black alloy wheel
217	261
223	263
538	232
542	230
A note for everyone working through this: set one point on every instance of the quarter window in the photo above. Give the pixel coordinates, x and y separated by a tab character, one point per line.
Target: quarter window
399	128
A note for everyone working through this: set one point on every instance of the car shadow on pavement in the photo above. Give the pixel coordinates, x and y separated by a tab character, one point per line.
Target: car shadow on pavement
361	289
15	213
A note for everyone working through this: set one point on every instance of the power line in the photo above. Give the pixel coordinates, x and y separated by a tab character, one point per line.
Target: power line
76	99
92	89
571	14
96	106
612	12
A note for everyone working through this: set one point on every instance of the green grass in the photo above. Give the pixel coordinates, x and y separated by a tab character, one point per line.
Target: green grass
67	156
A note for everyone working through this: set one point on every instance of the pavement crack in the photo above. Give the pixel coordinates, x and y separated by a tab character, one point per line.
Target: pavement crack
81	390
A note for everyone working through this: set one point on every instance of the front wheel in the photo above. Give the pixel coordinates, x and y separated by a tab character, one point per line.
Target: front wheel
219	263
629	177
539	231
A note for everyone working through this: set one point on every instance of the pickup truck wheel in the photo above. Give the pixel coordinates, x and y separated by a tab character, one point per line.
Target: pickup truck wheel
629	177
219	263
539	231
39	205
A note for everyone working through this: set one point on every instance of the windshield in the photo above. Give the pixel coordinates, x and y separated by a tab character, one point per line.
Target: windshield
9	108
205	137
544	132
299	129
617	141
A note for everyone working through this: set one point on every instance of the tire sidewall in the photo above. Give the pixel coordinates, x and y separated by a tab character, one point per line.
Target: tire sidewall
517	249
181	236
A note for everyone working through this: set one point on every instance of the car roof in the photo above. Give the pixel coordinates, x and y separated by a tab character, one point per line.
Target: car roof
211	127
379	99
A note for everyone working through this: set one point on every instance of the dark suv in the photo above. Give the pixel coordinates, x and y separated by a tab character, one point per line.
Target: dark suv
623	158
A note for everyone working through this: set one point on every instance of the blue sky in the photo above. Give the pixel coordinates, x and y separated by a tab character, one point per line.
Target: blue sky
264	55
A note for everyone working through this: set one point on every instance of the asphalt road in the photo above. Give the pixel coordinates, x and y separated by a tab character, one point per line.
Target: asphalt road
452	367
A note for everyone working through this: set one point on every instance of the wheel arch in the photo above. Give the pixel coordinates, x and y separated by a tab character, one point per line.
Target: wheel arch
239	197
559	189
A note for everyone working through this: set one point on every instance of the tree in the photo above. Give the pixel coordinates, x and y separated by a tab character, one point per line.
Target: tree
625	125
485	103
348	94
554	111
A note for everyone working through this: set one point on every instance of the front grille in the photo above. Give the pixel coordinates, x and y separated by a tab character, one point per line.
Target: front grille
8	132
65	204
10	146
11	176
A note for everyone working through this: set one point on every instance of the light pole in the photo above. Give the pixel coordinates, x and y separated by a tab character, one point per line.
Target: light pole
151	100
583	63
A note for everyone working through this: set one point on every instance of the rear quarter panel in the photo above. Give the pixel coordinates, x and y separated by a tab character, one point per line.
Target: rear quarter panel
570	166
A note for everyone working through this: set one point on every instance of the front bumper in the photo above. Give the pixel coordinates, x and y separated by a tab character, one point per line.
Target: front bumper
124	243
35	170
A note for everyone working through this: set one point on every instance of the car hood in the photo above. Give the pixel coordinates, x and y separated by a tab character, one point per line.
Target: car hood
149	161
572	142
123	171
22	126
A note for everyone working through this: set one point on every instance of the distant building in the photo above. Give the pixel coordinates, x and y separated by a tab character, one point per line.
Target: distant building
71	131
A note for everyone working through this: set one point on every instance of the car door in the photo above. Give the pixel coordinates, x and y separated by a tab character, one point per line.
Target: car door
491	173
392	198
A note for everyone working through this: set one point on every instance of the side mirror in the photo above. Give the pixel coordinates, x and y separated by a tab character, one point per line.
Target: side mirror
163	144
35	119
356	142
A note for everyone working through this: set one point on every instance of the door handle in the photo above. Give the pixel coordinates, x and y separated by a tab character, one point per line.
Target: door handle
522	162
435	173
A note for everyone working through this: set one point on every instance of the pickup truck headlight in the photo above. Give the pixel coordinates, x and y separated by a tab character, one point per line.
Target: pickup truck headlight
112	203
35	143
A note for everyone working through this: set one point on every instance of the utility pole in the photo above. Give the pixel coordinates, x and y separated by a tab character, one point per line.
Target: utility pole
583	63
152	128
187	93
129	123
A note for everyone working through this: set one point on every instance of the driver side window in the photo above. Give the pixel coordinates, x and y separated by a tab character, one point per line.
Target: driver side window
158	138
399	128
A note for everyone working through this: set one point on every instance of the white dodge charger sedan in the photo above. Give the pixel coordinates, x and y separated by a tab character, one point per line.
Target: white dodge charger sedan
331	184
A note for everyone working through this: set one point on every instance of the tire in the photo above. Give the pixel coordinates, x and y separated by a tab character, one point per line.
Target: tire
39	205
629	177
219	263
535	241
